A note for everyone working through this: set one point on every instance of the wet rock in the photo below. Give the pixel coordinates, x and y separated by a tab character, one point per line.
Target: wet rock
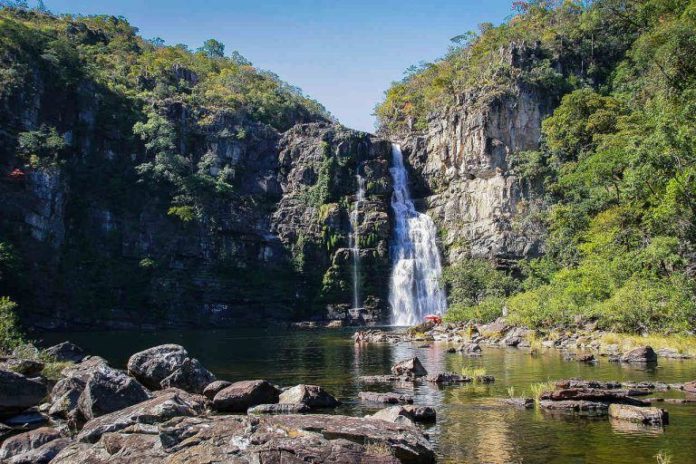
155	364
377	379
592	395
166	405
279	408
526	403
587	358
410	412
680	400
267	439
18	393
690	387
644	354
451	349
643	415
213	388
66	351
27	441
313	396
672	354
191	376
335	325
448	378
388	398
26	367
409	368
595	407
109	390
577	383
240	396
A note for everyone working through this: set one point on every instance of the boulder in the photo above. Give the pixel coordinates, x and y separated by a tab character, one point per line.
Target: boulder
30	418
43	454
393	414
409	368
107	390
18	393
642	415
690	387
471	349
593	394
388	398
240	396
27	441
409	411
520	402
65	351
377	379
164	406
155	364
213	388
592	407
191	376
587	358
313	396
64	397
577	383
644	354
279	408
270	439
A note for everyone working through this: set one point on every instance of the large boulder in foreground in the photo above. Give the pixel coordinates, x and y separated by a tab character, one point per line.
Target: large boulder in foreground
107	390
18	393
313	396
263	439
164	406
167	366
66	392
240	396
36	446
409	368
641	415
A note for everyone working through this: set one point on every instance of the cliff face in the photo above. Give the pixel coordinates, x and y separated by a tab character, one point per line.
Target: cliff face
97	246
462	172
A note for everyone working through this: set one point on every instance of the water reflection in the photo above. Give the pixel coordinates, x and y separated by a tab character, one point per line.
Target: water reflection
473	426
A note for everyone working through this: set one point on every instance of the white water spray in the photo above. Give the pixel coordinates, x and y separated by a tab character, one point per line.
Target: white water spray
355	239
415	289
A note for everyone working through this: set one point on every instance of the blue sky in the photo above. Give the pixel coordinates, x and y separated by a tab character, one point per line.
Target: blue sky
344	53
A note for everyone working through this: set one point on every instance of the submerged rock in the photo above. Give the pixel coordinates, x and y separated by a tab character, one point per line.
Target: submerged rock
411	412
389	398
447	378
592	395
470	349
409	368
18	393
313	396
643	415
526	403
376	379
594	407
240	396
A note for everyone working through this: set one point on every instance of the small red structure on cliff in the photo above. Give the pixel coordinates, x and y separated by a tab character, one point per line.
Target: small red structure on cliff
16	175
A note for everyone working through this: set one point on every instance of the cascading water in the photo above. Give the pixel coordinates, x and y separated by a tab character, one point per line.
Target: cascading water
415	280
355	239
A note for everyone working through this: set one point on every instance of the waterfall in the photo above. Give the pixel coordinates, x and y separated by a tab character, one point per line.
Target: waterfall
414	288
355	239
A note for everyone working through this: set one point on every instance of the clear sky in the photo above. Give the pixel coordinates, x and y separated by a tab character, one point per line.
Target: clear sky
343	53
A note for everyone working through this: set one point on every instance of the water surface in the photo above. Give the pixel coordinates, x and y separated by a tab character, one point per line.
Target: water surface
472	427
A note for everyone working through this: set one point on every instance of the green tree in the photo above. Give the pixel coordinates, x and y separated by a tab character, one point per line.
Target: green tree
213	49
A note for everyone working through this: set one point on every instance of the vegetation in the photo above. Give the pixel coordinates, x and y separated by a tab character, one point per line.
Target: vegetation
617	163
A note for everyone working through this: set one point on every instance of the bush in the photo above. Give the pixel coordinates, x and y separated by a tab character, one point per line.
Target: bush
10	334
488	310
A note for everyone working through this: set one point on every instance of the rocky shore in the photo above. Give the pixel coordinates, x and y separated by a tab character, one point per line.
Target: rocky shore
167	407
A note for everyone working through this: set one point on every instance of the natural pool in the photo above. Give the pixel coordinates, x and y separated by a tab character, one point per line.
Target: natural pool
472	426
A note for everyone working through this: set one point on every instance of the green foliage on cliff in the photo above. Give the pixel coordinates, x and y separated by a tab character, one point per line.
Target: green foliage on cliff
524	50
617	162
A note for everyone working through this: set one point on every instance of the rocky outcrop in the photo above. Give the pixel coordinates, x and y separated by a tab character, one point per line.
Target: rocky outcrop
169	366
38	446
65	351
641	415
245	439
387	398
409	368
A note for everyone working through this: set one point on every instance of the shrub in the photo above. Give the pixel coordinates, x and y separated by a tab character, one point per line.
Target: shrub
10	334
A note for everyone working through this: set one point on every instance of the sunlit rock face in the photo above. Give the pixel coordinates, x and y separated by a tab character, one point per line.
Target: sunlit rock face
462	173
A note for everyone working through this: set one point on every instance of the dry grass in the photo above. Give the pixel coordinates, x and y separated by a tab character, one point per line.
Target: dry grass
684	344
